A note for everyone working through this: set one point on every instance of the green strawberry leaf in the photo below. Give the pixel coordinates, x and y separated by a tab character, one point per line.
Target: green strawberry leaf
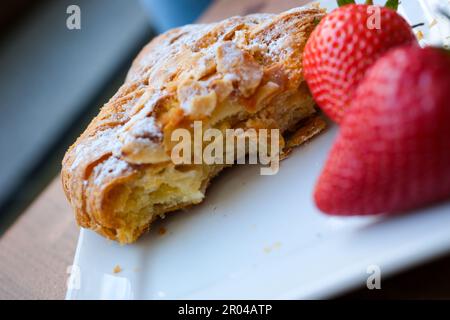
344	2
392	4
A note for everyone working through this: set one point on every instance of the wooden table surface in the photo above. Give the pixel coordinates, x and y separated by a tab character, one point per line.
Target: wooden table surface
37	249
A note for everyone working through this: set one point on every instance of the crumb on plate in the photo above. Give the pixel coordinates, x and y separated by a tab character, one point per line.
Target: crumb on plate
419	35
269	249
117	269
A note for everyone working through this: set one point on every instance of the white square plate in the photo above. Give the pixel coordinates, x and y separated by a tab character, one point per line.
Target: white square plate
262	237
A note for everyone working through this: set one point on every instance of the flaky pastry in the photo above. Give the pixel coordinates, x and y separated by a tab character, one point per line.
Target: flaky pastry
243	72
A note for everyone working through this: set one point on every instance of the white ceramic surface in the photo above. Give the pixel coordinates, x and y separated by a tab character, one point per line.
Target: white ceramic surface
261	237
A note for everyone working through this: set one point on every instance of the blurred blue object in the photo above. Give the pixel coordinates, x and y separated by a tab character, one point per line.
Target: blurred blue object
168	14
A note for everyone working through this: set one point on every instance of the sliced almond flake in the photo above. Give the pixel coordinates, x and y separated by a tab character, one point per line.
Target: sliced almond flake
104	142
110	169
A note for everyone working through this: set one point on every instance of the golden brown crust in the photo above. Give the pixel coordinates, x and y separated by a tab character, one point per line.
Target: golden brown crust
234	69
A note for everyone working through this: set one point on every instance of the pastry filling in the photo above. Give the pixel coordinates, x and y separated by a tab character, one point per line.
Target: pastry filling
164	187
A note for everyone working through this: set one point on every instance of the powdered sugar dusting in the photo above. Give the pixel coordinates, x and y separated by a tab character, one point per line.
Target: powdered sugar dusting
144	112
144	129
110	169
104	142
141	127
189	91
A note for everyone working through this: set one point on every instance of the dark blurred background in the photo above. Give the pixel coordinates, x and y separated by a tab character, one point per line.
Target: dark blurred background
53	80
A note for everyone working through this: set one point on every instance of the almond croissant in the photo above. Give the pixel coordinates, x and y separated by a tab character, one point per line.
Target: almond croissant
243	72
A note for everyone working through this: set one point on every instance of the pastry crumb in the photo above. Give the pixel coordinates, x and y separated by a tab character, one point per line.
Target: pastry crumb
419	35
267	249
117	269
162	231
433	23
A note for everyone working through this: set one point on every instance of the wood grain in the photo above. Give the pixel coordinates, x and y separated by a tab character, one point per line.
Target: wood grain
37	250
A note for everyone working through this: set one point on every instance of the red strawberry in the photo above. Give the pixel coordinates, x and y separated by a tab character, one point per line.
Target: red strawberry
343	46
393	151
